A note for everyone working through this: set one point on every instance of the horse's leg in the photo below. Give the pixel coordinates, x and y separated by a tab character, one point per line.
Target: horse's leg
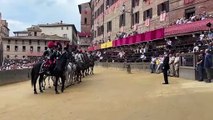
40	82
34	84
44	83
92	70
80	76
63	78
49	82
56	85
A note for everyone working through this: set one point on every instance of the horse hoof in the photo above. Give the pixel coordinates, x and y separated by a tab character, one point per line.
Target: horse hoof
49	87
62	91
57	92
35	92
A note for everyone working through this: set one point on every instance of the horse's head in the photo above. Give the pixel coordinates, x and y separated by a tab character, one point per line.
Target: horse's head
61	63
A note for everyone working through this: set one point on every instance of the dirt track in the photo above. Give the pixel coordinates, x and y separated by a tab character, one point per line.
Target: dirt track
111	94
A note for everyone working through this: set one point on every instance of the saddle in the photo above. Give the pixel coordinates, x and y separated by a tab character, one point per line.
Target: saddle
46	66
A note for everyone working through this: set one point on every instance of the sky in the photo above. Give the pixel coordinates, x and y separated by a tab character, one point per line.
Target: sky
21	14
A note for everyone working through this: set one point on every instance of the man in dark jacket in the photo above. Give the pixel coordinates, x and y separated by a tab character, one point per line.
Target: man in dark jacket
165	68
208	65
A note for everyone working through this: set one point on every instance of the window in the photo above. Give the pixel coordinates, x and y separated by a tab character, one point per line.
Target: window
8	56
16	48
189	12
122	20
8	47
99	11
62	28
67	28
45	42
135	3
65	35
22	41
23	48
31	48
38	42
163	7
30	42
147	14
109	26
38	49
85	20
110	3
23	57
100	30
16	56
135	18
35	33
16	41
8	41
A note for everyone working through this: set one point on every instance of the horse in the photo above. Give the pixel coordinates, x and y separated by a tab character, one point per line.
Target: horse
70	73
91	65
58	72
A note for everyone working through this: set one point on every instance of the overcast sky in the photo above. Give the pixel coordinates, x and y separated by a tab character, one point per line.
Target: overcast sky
21	14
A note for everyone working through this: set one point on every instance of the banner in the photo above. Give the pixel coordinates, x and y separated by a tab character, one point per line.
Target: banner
163	16
147	22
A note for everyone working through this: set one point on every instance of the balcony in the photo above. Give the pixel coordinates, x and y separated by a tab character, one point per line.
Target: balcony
187	28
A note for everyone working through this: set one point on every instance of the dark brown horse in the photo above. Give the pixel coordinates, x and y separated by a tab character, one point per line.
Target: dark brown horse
58	71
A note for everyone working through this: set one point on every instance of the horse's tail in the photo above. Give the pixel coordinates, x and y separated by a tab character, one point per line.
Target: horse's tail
32	76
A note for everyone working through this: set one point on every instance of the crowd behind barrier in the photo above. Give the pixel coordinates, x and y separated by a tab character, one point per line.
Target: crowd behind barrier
151	53
13	64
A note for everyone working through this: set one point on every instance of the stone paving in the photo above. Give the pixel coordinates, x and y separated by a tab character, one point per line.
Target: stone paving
111	94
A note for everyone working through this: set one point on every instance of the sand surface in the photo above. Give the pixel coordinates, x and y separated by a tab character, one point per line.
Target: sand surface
111	94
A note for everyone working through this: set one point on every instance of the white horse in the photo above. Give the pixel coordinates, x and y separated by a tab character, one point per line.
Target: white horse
70	73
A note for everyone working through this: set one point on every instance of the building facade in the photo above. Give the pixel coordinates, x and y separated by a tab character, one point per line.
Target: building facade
4	32
113	17
187	8
28	44
85	37
61	29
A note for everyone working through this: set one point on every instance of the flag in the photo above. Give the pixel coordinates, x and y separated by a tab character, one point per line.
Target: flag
147	22
122	29
109	33
163	16
135	27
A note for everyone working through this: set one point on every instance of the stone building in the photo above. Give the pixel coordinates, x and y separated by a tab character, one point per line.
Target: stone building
85	37
61	29
187	8
28	44
4	32
112	17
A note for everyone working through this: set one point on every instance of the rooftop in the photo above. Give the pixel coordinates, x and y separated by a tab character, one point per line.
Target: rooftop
43	37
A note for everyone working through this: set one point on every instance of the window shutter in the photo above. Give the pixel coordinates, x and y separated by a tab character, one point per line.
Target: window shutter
150	13
159	9
167	6
144	15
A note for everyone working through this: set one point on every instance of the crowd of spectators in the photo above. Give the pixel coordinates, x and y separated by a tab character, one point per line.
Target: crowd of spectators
12	64
192	18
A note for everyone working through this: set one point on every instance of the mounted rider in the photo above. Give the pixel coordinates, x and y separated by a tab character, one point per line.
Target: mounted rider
50	56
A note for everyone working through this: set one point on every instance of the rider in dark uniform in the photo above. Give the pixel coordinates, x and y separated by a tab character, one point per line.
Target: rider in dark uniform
50	55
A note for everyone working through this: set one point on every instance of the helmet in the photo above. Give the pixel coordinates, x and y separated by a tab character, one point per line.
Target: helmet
51	44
